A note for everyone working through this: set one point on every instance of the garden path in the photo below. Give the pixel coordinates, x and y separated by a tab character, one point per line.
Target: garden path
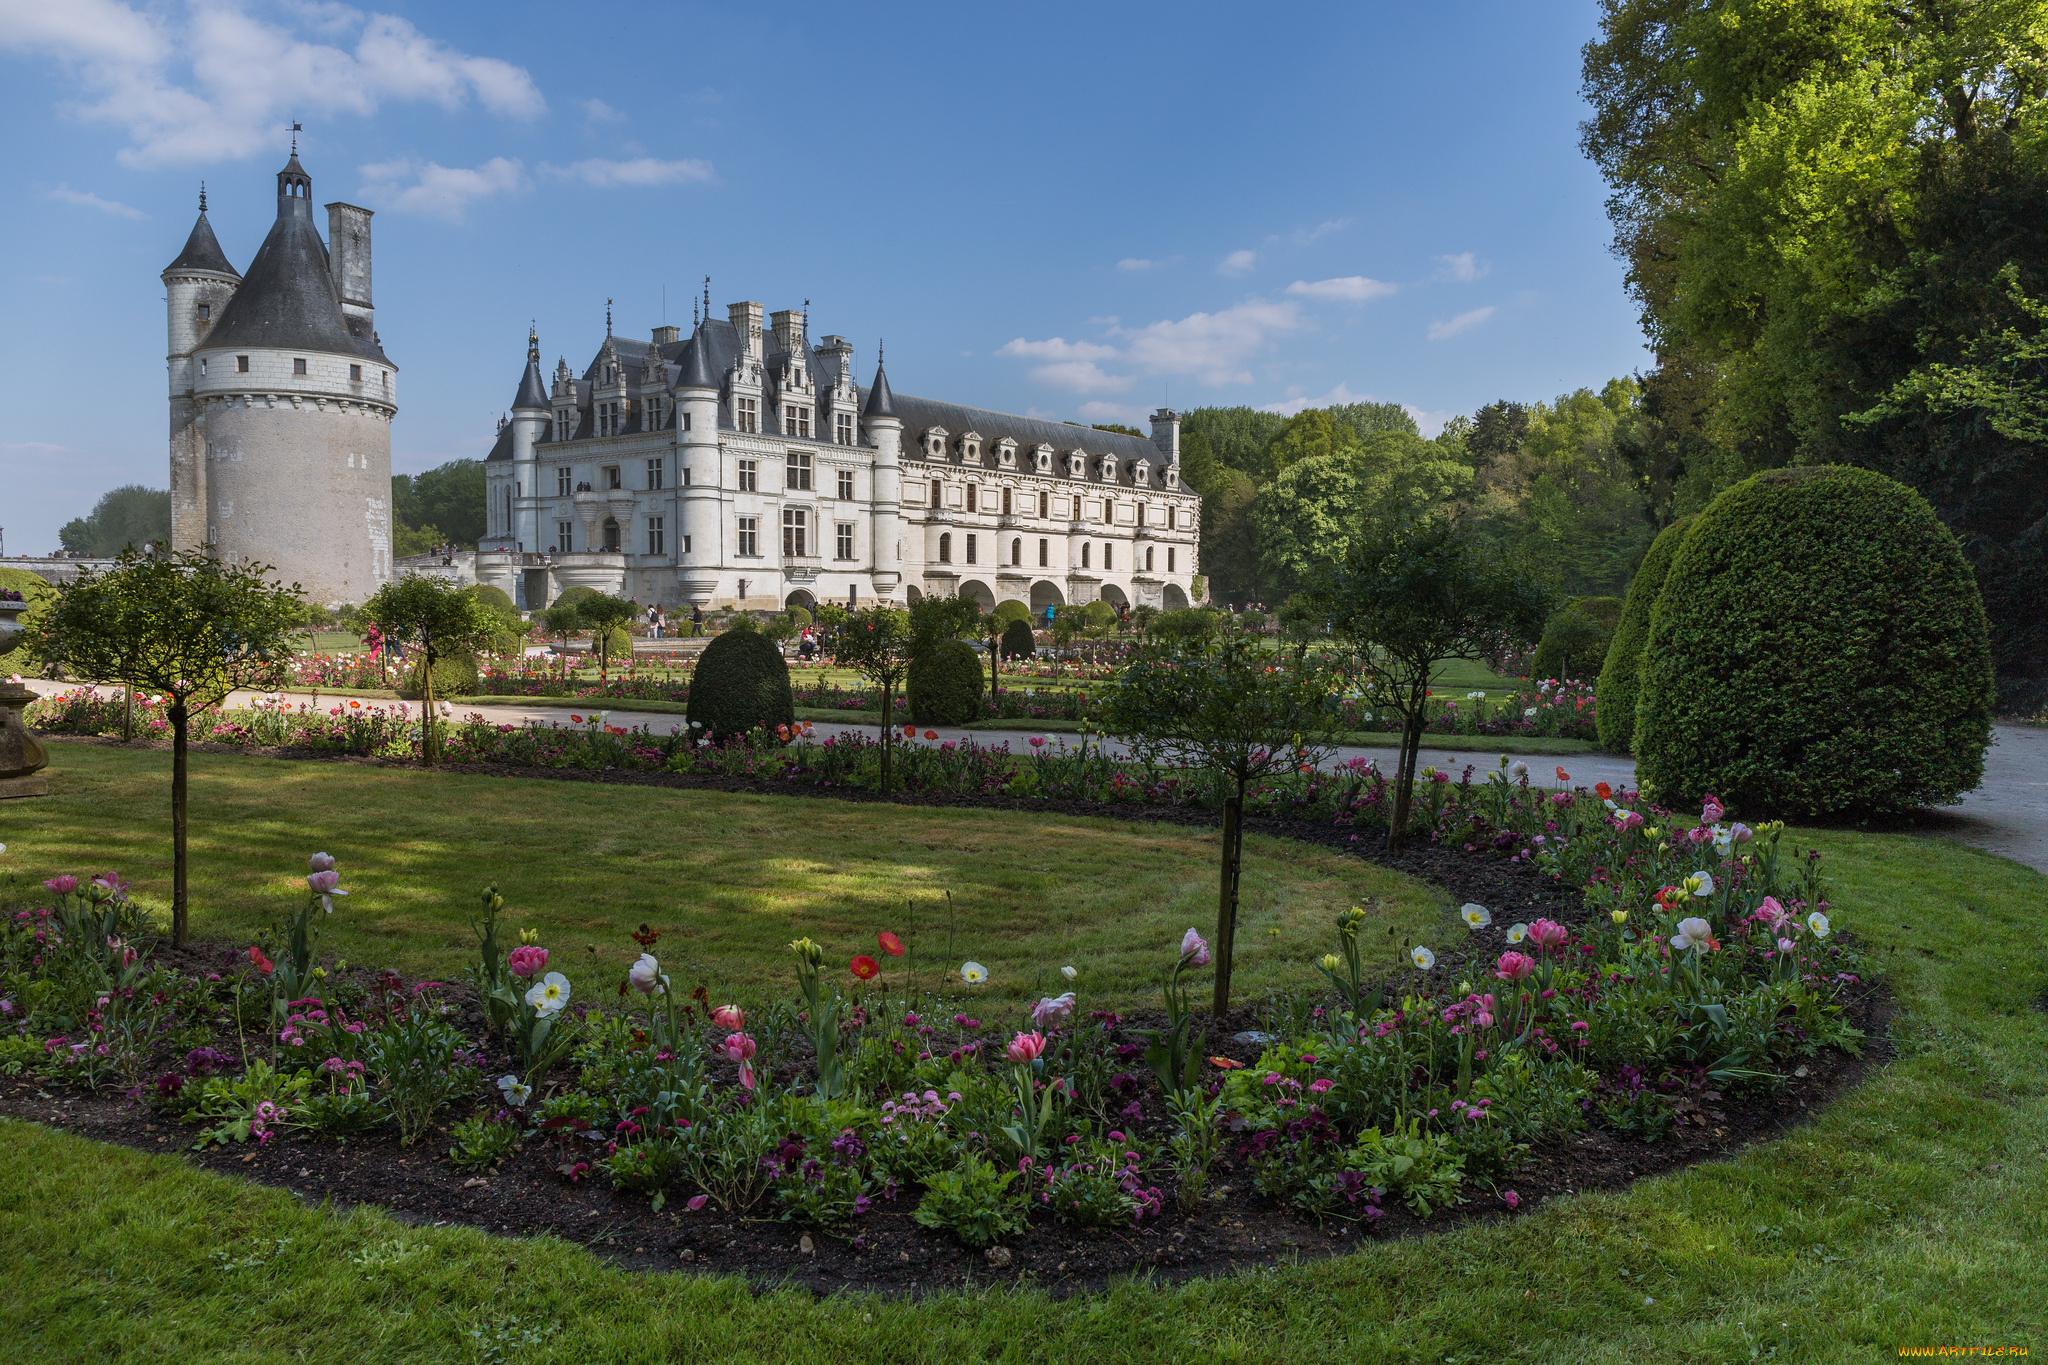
2007	815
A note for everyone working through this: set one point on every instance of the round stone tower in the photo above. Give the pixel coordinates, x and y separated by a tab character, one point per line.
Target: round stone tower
282	400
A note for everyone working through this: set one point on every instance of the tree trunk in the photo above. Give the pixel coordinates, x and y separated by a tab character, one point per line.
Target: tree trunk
888	734
128	711
179	896
1404	789
1226	901
427	703
993	647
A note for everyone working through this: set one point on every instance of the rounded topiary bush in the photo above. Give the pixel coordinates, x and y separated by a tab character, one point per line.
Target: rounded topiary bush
740	682
569	597
1614	696
1011	610
497	599
1575	639
944	685
455	675
1819	646
1018	641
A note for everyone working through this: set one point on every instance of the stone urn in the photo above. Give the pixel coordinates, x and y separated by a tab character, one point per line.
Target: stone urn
21	757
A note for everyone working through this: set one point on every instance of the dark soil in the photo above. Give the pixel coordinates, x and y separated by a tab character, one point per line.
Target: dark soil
1237	1229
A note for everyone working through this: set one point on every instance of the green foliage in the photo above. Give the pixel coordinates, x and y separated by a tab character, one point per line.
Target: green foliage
482	1141
497	599
1621	675
1186	623
973	1202
1575	639
1235	438
449	497
1422	1169
1818	647
741	683
1340	490
1018	641
1011	610
1098	614
798	617
878	643
455	675
575	596
945	684
34	589
436	620
129	515
606	616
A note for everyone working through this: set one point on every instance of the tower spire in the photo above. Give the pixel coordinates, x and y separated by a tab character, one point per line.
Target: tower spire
707	298
202	196
533	341
297	128
607	317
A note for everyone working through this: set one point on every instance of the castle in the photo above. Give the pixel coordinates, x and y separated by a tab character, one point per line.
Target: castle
281	400
743	466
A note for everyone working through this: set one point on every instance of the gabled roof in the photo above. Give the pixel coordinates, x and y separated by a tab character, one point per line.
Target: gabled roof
202	252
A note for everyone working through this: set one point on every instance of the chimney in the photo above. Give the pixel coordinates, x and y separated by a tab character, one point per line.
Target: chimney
348	257
789	330
1166	434
746	320
667	336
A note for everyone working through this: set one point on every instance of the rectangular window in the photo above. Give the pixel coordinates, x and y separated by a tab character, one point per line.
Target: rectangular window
686	545
355	372
750	537
793	528
797	472
202	367
611	477
562	427
744	415
686	476
562	530
241	364
1084	554
846	484
935	492
654	536
1006	502
973	496
750	476
562	485
1108	558
1169	559
298	365
685	423
654	474
1077	509
796	421
843	425
205	311
1045	504
970	547
1043	548
842	540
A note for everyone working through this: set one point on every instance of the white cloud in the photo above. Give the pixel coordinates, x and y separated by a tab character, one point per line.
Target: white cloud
1237	263
86	199
1463	267
1133	263
1431	422
639	172
1464	322
1298	402
1343	289
217	83
1098	411
1304	236
1213	347
597	111
438	191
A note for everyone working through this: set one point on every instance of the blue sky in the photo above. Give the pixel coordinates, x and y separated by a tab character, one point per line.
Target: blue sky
1077	211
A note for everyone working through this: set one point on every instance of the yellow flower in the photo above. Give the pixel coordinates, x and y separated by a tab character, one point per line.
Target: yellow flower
529	936
1618	916
1329	962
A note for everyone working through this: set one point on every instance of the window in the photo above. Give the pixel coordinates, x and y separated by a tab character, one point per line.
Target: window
973	497
1108	558
1108	510
1077	509
241	364
202	367
1042	549
562	530
355	372
843	428
686	545
686	476
611	476
946	548
1016	552
797	472
1045	504
796	420
610	422
793	528
1148	559
205	312
1169	559
842	540
684	424
562	485
299	365
1006	502
970	547
744	415
846	484
611	535
750	478
750	536
654	475
562	427
654	411
654	536
935	492
1084	554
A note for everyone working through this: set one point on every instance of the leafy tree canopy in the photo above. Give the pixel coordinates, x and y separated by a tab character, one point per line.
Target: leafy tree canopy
447	500
129	515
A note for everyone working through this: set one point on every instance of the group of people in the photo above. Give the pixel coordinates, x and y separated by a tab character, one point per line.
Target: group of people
656	620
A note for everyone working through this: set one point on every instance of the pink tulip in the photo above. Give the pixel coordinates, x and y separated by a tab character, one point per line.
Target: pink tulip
66	884
1026	1048
740	1047
1054	1012
1194	949
1514	966
1630	820
1711	810
526	959
1548	933
1772	913
323	883
322	862
729	1017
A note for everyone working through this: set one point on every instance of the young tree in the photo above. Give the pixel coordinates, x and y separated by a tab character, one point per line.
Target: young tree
1414	597
1217	702
437	619
877	643
188	626
604	614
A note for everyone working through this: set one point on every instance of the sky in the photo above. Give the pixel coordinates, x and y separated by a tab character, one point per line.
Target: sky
1078	211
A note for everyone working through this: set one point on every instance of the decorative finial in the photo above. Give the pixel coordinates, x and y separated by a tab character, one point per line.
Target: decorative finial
297	128
878	353
533	341
707	298
607	317
693	312
202	196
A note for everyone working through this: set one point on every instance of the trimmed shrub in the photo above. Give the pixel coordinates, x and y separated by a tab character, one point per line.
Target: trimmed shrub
1575	639
741	682
454	676
1819	647
1185	623
569	597
944	686
1621	677
34	588
1018	642
1012	610
497	599
798	617
1098	614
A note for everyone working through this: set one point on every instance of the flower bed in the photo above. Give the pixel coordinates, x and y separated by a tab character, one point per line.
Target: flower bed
1690	988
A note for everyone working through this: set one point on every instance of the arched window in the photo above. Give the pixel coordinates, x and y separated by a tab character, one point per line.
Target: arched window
1148	559
1084	554
946	548
611	534
1017	551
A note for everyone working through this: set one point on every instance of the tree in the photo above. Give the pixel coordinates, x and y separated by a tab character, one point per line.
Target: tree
876	642
1235	437
604	614
1414	597
129	515
1313	509
1216	701
449	497
188	626
437	619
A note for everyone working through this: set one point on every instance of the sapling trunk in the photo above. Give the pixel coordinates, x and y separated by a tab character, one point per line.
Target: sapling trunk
427	702
1226	900
888	733
128	711
178	770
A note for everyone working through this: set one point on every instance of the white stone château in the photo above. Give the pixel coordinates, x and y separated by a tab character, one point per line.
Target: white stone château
743	466
281	400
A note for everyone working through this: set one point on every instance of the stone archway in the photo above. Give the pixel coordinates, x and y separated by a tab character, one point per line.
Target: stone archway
1171	598
1114	595
979	591
611	536
1043	595
911	595
802	598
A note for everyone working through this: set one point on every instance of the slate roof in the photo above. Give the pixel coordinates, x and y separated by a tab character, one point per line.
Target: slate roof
533	393
918	414
879	401
202	252
501	449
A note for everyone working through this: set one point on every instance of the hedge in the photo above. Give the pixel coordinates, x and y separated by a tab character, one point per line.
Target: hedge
740	683
1018	641
944	686
1615	695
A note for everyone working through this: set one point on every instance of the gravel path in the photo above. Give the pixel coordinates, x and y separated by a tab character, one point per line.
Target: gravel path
2007	815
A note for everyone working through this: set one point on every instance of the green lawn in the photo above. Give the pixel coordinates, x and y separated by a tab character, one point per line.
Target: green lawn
1910	1213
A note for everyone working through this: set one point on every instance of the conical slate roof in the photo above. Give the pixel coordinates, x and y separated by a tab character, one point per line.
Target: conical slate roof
881	403
532	392
288	300
202	252
696	361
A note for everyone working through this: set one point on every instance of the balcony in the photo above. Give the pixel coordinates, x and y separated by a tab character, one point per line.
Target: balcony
802	568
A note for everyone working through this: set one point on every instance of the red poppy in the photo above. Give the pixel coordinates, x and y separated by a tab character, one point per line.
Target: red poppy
1563	776
577	719
1226	1064
891	944
1603	791
645	936
910	732
258	960
866	968
931	734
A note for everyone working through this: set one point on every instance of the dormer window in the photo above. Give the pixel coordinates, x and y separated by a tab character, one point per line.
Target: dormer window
1006	453
1140	472
1043	459
1077	465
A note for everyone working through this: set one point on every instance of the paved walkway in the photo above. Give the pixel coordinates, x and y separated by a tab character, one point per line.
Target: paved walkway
2007	815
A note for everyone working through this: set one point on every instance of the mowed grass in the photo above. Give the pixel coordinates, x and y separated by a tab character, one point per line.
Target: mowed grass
1910	1213
729	880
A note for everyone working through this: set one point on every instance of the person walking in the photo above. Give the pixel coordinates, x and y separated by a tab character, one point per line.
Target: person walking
696	619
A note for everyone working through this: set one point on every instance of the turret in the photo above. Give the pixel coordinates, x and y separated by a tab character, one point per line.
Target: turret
884	431
1166	434
531	413
700	474
197	287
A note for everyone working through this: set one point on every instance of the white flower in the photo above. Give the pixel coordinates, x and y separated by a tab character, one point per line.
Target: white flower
1475	696
1475	916
645	975
549	994
1068	972
1422	957
1518	770
1692	933
973	973
1528	713
1819	924
515	1094
1517	932
1700	884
